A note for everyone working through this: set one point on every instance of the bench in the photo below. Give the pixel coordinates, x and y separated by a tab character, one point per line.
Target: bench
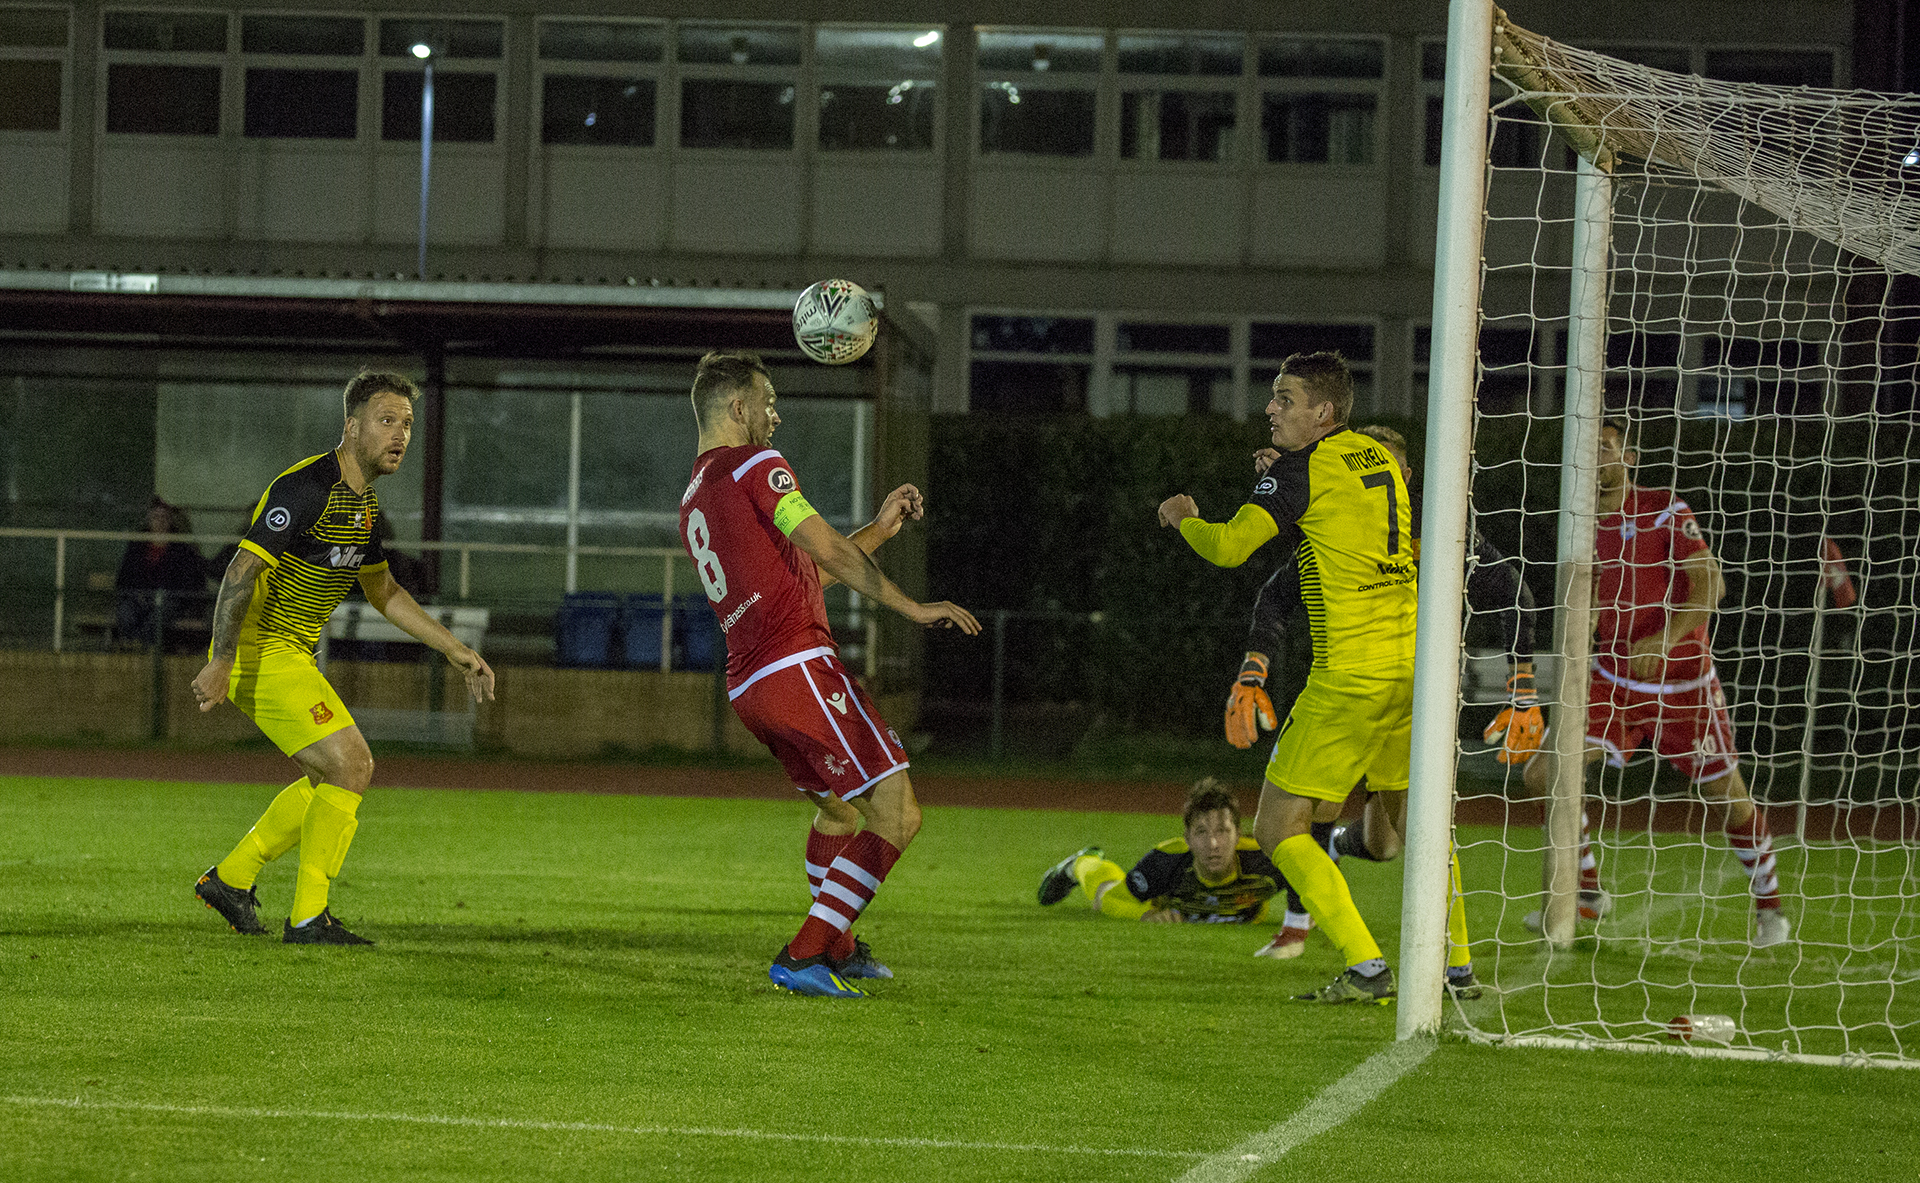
362	622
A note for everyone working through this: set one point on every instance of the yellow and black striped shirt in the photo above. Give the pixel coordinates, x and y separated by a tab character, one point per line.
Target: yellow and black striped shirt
317	536
1167	878
1340	509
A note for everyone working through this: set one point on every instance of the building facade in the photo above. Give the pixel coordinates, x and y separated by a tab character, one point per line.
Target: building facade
1139	207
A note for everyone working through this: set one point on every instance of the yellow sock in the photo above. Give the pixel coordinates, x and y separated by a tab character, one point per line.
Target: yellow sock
325	833
1458	952
272	836
1116	901
1324	890
1095	873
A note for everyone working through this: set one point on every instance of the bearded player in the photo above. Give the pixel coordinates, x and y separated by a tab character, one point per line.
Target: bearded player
761	553
312	538
1656	585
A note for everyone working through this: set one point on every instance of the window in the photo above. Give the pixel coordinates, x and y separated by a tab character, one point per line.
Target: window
305	35
1320	99
1030	364
1160	120
1745	376
726	45
1271	342
1038	91
163	72
602	41
1775	67
740	93
465	97
1170	369
607	94
1674	59
729	113
163	100
33	46
1506	369
308	104
1433	77
302	76
463	106
166	32
588	110
877	87
476	40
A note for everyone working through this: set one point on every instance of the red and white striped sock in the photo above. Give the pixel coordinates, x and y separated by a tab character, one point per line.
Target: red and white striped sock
1752	844
822	849
855	874
1589	866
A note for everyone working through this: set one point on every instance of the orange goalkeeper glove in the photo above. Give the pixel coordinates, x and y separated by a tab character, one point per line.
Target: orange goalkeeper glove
1519	727
1249	710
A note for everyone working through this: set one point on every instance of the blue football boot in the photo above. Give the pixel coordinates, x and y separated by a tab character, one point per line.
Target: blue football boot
811	976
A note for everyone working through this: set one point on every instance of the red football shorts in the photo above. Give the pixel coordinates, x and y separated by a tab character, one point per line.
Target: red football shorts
1686	721
819	723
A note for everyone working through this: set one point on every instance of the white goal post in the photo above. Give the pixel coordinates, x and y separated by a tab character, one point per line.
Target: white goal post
1729	267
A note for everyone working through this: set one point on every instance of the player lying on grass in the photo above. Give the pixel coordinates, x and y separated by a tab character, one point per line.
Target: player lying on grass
312	539
1212	875
1655	587
1339	506
761	552
1494	592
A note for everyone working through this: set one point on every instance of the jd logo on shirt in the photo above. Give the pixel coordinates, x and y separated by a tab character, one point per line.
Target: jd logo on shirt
780	481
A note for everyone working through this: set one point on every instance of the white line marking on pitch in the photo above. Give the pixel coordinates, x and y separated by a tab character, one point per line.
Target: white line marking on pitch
1331	1106
508	1123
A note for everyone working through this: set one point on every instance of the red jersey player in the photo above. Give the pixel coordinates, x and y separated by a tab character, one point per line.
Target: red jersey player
760	551
1656	584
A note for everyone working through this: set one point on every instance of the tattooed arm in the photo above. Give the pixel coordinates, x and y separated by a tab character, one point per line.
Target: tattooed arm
229	613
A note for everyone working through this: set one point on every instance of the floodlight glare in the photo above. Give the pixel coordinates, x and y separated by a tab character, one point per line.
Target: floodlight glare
926	39
422	50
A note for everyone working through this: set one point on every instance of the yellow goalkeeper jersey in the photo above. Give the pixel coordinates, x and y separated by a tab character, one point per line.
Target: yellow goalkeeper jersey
1340	509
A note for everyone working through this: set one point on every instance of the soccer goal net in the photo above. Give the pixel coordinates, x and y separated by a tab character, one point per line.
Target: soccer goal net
1728	272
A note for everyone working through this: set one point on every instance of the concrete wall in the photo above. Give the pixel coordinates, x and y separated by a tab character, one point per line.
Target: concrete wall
558	713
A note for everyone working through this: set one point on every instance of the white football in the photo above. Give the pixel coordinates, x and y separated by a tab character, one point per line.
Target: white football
835	322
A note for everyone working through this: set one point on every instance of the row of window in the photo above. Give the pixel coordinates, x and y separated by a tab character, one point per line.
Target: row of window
1048	364
1733	377
1168	96
1019	362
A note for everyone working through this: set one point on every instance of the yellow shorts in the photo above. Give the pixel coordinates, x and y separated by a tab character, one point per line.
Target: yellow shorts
288	698
1342	727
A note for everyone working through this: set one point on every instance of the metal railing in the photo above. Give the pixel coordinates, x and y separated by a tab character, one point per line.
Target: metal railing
862	623
466	550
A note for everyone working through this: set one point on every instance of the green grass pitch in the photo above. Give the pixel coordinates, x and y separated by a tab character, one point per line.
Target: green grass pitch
574	987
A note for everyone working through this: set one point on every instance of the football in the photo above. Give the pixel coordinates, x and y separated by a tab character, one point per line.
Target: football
834	321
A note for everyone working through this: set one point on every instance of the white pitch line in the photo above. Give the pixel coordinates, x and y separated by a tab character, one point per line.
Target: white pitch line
1331	1106
508	1123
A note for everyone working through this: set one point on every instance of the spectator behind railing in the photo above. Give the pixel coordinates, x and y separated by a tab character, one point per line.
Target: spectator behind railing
176	568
